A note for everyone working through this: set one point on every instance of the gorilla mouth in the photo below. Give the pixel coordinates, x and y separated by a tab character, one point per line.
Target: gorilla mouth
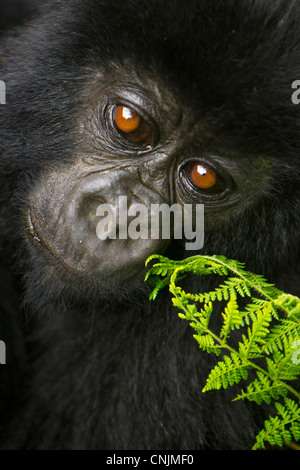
50	251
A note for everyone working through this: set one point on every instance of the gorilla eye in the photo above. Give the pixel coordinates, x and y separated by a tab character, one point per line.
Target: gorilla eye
203	177
132	126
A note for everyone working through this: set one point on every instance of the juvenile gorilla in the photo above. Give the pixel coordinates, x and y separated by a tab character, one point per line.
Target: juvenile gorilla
186	103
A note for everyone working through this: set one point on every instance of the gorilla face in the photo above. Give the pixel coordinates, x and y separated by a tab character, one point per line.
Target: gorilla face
115	106
156	118
136	141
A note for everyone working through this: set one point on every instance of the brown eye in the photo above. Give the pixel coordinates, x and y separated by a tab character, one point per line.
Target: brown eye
126	119
132	126
202	176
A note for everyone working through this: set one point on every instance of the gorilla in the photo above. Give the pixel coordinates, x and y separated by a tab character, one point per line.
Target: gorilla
162	102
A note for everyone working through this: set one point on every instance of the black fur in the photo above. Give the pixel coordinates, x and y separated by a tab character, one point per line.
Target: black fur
87	372
17	12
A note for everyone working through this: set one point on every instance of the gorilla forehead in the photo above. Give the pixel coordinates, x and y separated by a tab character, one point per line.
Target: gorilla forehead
240	55
200	36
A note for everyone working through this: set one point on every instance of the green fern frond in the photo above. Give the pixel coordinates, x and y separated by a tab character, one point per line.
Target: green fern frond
251	345
207	343
227	372
262	389
282	428
290	303
258	303
232	318
282	366
270	324
287	330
